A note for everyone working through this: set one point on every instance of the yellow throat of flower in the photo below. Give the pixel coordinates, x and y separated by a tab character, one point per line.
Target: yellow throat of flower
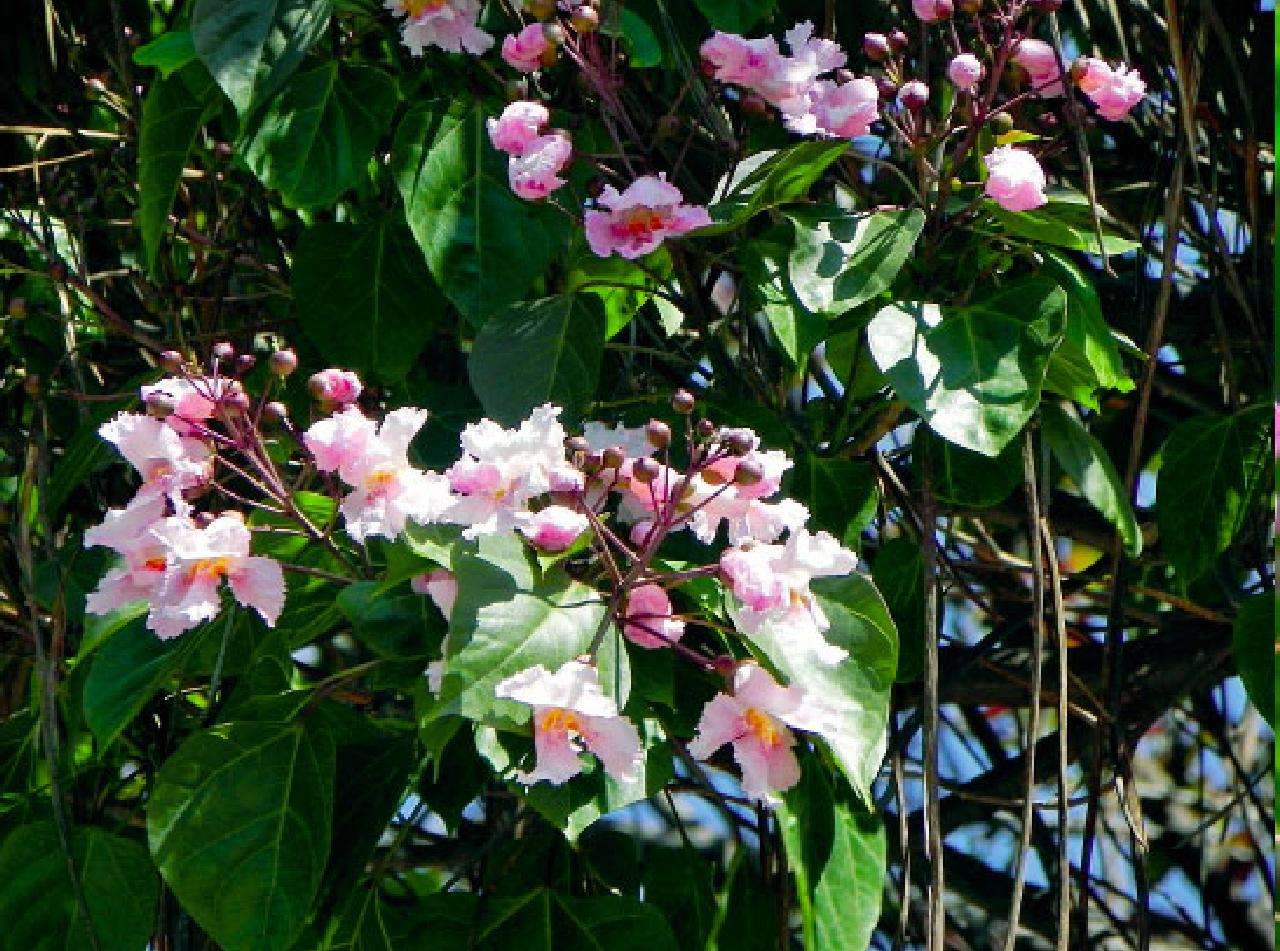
557	719
764	727
211	568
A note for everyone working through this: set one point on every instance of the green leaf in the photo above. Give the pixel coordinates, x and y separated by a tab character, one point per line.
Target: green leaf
38	907
315	139
127	671
622	286
369	276
1212	465
252	46
484	245
544	920
839	261
858	687
836	848
168	52
965	478
239	826
735	16
547	351
679	881
1088	358
506	620
641	43
175	108
1254	642
898	571
841	495
1064	224
769	179
1085	460
747	917
973	375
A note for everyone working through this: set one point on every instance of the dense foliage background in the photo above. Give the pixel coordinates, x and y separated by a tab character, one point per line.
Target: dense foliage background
317	186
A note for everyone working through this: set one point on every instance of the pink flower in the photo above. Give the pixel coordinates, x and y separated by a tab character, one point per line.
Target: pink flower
1040	61
183	570
718	498
1113	90
757	719
374	461
742	62
553	528
440	586
168	463
639	219
845	110
447	24
931	11
809	56
965	71
790	86
535	174
502	470
648	620
572	714
771	583
194	400
341	387
524	50
143	558
519	126
1015	180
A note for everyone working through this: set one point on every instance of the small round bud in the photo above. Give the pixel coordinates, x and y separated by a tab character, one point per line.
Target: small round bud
1047	120
549	56
876	46
18	307
613	457
160	405
705	428
843	76
644	471
172	361
577	444
898	41
737	443
58	271
749	472
658	433
245	362
683	402
886	87
283	362
275	412
223	351
913	95
716	475
585	20
593	463
237	401
1002	122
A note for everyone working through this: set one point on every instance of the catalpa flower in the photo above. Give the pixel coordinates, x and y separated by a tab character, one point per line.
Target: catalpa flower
536	173
341	387
742	62
1015	179
1114	90
553	528
168	462
637	220
1040	60
518	127
194	401
447	24
197	561
844	110
374	461
524	50
931	11
771	583
757	718
127	531
965	71
719	499
572	714
502	470
648	620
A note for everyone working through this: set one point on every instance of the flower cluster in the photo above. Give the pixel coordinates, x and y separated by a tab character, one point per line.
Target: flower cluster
449	25
536	157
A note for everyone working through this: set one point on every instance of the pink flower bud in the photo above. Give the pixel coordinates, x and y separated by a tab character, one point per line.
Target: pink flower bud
1016	181
913	95
931	11
554	528
335	386
965	71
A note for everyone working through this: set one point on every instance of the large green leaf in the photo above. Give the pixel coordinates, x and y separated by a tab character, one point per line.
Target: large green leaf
898	571
769	179
841	494
734	16
364	295
543	920
38	906
1089	357
962	477
506	619
1085	460
484	245
1254	640
252	46
836	848
126	672
857	688
840	260
973	375
315	139
1065	222
1211	467
239	826
168	52
547	351
172	114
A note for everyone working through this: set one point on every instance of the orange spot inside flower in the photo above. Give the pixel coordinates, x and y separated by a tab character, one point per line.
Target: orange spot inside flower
557	719
416	8
638	222
380	480
764	727
211	568
155	564
158	470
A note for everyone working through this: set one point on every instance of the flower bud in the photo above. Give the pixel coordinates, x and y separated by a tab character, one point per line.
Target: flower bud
749	472
160	405
275	412
585	20
1002	122
969	6
613	457
913	95
898	41
283	362
548	58
965	71
245	362
553	33
644	471
737	443
592	464
683	402
658	433
706	429
713	475
576	444
171	361
223	351
237	400
876	47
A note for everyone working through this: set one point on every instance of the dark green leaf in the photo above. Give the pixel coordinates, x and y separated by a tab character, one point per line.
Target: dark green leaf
769	179
747	918
734	16
547	351
168	52
841	495
252	46
1064	224
898	571
315	139
239	826
38	907
1088	358
544	920
127	671
965	478
364	295
1254	639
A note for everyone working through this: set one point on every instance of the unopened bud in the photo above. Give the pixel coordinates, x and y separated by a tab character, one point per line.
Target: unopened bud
172	361
753	104
913	95
549	56
245	362
1002	122
705	428
237	400
683	402
223	351
553	33
577	444
585	20
886	87
877	47
644	471
275	412
540	9
737	443
592	464
898	41
613	457
283	362
658	433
